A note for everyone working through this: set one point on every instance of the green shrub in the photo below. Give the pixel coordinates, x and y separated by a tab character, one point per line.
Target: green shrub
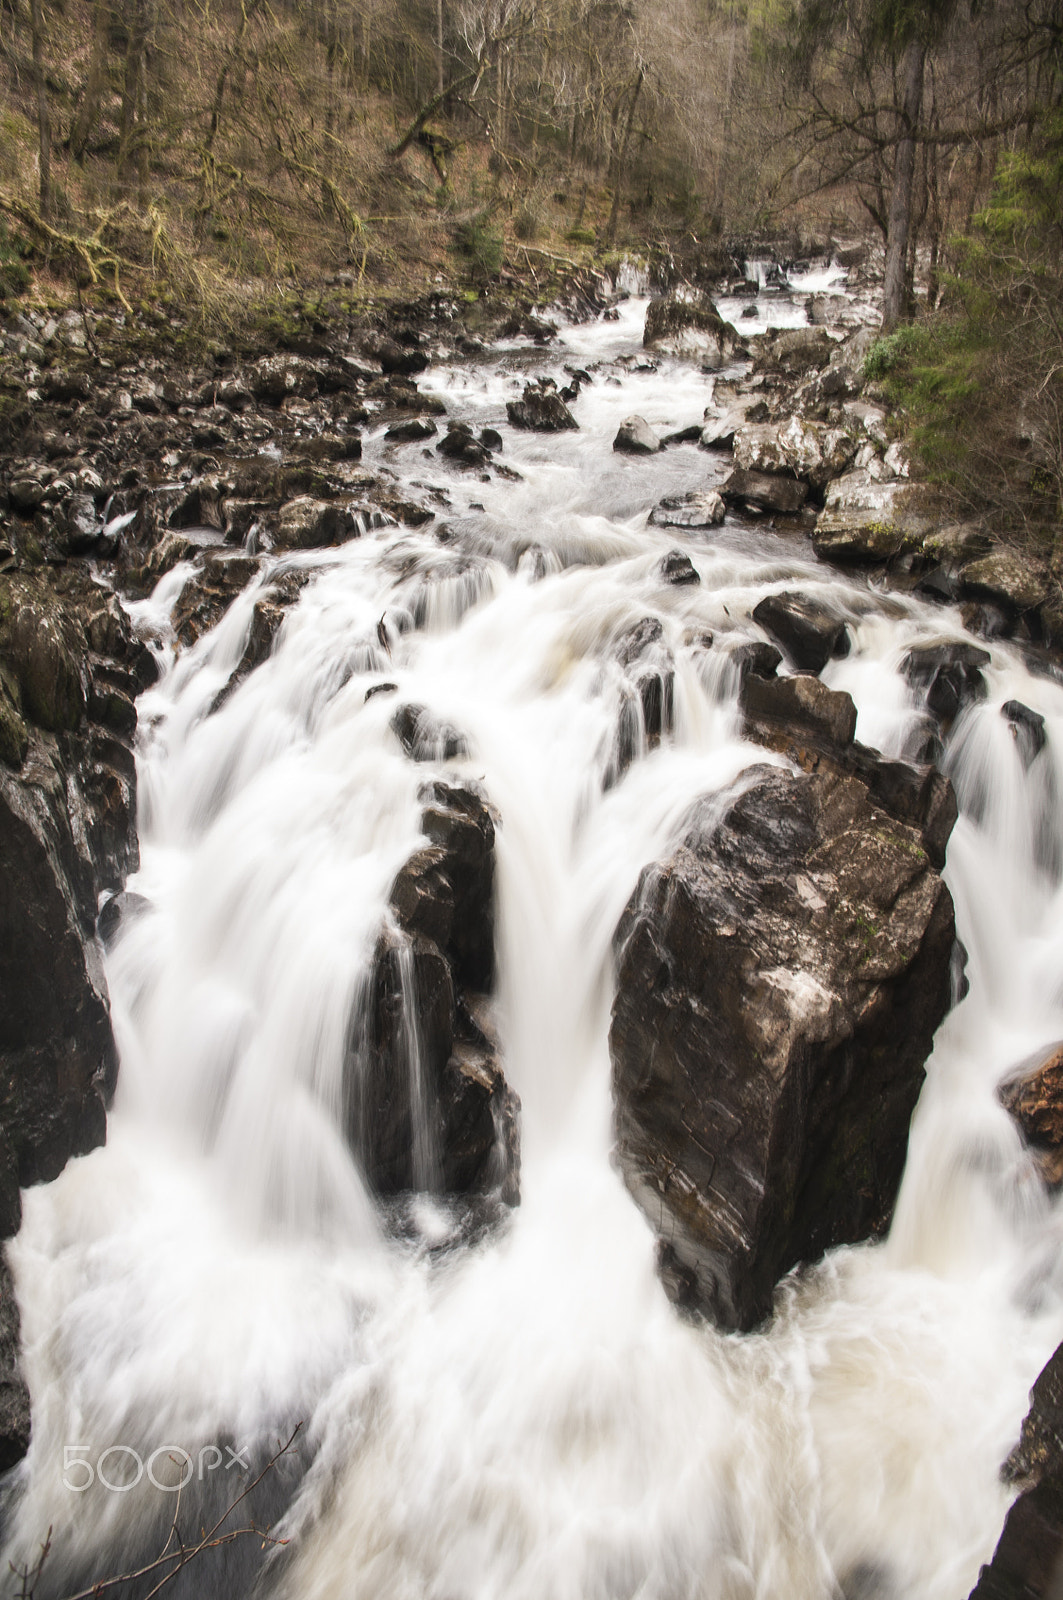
481	244
889	351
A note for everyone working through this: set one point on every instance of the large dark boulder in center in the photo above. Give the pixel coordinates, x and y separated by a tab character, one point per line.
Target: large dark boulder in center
780	978
540	409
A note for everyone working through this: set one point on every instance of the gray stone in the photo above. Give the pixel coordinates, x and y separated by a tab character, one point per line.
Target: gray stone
636	437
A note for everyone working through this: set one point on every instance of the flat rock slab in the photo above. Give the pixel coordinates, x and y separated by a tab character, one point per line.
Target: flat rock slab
865	521
1006	577
780	978
765	491
701	508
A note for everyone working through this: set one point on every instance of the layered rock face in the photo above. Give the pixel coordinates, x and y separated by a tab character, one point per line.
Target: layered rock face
780	978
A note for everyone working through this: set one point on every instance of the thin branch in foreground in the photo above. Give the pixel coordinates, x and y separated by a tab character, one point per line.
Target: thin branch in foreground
175	1554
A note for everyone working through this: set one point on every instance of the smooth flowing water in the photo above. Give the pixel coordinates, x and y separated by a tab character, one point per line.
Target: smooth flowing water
524	1416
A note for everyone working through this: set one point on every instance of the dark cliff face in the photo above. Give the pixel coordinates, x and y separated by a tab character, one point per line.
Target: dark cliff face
70	668
1028	1561
780	980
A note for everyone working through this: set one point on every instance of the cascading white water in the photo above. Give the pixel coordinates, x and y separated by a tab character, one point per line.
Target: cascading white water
526	1416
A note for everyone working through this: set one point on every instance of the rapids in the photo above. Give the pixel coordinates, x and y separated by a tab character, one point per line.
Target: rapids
520	1415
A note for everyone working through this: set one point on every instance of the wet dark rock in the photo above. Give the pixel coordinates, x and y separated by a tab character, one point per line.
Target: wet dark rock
691	435
490	438
27	492
460	444
700	508
801	705
913	792
446	890
430	1106
981	617
78	526
333	447
203	506
416	428
809	631
1027	729
306	523
424	737
677	568
393	357
117	912
541	409
57	1057
635	437
950	675
755	657
780	978
1028	1559
635	642
209	593
14	1395
43	648
1033	1094
764	491
719	431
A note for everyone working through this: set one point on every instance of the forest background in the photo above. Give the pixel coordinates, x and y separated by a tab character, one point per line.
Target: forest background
202	159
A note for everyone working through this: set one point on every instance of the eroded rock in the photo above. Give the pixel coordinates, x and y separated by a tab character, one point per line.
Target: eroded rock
780	978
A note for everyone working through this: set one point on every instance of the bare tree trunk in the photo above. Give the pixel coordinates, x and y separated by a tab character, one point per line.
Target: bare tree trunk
894	298
89	109
621	161
133	146
44	126
439	46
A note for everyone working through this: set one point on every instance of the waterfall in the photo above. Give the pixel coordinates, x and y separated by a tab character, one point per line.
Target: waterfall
524	1414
